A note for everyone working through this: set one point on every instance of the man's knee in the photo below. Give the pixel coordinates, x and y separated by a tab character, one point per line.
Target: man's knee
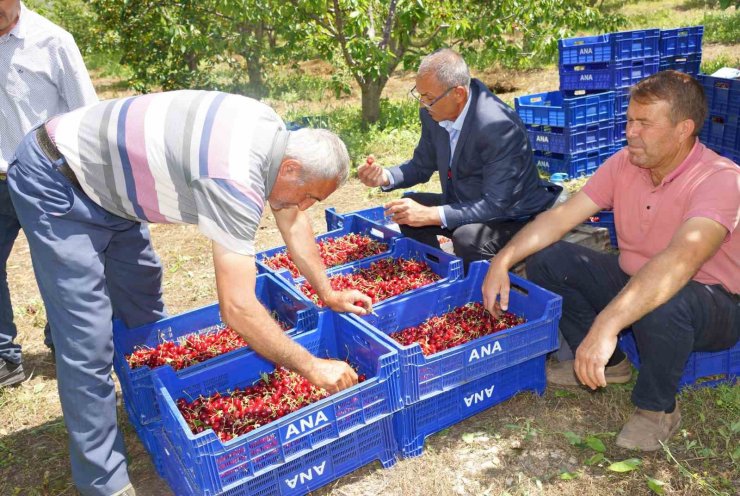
541	265
468	242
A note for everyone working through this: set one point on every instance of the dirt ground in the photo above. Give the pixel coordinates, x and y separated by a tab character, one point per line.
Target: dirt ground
517	447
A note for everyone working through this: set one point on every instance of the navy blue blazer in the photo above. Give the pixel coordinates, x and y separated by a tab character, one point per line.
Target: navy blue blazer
493	172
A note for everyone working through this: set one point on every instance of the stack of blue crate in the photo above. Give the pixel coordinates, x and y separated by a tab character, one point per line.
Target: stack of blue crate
721	131
680	49
444	388
613	61
570	134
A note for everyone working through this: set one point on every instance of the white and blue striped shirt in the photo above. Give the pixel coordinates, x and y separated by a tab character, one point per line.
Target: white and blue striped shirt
44	76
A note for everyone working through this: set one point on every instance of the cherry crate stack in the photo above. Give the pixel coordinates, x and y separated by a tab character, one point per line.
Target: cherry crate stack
613	61
721	131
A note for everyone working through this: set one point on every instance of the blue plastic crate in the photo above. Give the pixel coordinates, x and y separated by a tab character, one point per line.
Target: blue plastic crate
721	131
606	76
723	95
681	41
585	50
606	219
621	102
424	377
620	128
137	385
335	220
684	63
597	76
638	44
448	267
558	109
730	153
306	473
416	422
215	466
620	74
148	436
574	164
350	224
702	368
571	139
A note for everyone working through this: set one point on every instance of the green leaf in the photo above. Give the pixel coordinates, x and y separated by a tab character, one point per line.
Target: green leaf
468	437
627	465
595	459
569	475
573	438
655	485
595	444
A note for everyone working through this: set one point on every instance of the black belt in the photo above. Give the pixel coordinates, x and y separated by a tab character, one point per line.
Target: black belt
52	153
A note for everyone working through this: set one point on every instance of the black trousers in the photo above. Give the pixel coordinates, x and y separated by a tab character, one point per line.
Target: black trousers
699	317
471	242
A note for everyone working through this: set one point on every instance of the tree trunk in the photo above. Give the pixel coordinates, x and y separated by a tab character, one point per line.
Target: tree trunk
251	55
371	91
254	71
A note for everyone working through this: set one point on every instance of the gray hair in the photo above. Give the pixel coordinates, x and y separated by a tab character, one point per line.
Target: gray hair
448	67
322	154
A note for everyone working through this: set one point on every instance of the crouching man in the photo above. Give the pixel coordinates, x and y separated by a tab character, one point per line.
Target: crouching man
677	277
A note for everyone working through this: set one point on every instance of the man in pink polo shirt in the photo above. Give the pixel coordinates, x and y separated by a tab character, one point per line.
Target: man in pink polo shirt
676	280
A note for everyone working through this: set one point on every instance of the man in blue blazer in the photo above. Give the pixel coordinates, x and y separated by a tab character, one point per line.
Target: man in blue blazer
479	147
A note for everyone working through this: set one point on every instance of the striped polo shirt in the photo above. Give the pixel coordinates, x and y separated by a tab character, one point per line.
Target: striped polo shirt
193	157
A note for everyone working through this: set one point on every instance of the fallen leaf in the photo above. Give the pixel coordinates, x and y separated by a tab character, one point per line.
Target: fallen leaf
625	465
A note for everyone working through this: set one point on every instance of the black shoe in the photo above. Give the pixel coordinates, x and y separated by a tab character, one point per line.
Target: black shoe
10	373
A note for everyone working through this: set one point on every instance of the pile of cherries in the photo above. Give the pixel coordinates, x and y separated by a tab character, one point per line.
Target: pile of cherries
455	327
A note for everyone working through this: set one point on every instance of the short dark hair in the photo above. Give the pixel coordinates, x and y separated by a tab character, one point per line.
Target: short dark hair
684	93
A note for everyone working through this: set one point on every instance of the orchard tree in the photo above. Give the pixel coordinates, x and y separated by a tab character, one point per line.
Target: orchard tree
167	44
372	37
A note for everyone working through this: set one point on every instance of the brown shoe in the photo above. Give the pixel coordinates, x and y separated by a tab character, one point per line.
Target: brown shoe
645	430
563	374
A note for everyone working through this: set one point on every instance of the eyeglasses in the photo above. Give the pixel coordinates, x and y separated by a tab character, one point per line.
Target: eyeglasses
419	98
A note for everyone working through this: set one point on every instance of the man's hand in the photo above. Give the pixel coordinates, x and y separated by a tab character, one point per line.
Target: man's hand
371	174
350	300
593	354
331	375
408	212
496	286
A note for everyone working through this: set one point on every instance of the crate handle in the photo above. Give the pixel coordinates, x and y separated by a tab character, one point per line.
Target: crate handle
361	341
433	258
520	289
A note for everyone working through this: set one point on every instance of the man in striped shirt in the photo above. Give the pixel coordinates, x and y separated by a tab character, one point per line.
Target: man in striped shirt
43	75
84	183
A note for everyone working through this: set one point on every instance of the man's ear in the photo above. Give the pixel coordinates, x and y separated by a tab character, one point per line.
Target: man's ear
686	128
461	93
290	168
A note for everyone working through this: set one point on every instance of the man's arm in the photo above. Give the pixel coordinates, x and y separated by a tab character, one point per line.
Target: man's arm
299	238
241	310
695	242
75	85
547	228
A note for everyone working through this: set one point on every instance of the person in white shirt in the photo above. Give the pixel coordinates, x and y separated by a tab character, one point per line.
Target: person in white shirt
43	75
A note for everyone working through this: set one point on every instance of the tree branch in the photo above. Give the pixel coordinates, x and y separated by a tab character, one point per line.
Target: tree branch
423	43
388	24
339	21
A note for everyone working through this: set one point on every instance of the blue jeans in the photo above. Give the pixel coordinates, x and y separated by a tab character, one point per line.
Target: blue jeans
9	228
90	265
699	317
